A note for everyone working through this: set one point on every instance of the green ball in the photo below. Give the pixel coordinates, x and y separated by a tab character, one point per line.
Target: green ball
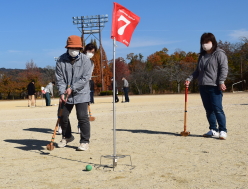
88	167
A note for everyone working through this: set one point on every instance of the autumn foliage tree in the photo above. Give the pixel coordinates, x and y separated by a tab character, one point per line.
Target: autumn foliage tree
31	73
237	55
121	70
17	84
101	73
134	61
158	58
7	86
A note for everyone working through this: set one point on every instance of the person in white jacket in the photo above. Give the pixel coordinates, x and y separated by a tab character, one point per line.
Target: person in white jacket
49	93
125	89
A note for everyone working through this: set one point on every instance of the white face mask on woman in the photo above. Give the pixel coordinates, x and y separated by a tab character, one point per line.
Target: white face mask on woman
89	54
73	52
207	46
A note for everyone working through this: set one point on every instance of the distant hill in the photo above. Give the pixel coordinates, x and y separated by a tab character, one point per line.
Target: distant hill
9	70
15	72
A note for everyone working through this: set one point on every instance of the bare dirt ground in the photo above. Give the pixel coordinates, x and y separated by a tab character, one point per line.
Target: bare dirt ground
147	129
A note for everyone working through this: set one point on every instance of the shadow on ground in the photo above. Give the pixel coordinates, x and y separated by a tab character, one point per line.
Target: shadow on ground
239	104
44	130
40	130
33	106
35	146
29	144
156	132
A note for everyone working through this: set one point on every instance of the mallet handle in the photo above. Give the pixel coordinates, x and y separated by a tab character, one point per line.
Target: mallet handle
185	108
61	106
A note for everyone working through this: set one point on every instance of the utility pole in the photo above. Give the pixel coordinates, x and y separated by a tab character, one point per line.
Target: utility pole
91	23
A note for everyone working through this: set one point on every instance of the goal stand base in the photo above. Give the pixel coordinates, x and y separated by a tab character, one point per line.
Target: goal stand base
114	159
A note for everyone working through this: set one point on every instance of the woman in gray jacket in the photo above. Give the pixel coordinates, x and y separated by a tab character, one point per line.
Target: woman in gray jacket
211	72
73	72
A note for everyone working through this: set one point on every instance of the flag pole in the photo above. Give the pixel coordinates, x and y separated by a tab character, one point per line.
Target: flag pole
118	33
114	113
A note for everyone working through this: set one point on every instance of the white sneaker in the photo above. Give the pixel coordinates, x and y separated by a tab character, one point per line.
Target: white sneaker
212	133
79	131
59	132
223	135
64	141
83	147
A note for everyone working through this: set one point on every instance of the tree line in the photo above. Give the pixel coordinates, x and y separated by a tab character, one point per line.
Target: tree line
163	73
159	73
13	82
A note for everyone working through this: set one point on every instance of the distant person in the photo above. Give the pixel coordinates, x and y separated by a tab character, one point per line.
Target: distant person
115	90
89	51
73	72
49	93
211	71
125	88
31	93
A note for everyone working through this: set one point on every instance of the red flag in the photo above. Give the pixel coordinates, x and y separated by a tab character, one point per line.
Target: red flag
123	24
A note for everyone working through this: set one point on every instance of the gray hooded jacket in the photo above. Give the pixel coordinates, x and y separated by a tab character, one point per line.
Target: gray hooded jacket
125	83
214	71
75	75
49	88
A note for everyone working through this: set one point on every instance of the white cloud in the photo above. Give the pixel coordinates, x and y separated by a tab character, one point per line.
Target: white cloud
19	52
15	51
140	42
138	45
54	52
237	34
149	42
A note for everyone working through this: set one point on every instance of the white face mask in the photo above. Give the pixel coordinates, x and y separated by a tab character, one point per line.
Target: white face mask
207	46
73	52
89	54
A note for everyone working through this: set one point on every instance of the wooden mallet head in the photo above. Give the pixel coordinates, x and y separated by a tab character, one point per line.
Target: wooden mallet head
50	146
185	133
92	118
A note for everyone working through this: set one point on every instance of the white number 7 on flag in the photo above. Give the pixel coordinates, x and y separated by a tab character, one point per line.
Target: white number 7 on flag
122	28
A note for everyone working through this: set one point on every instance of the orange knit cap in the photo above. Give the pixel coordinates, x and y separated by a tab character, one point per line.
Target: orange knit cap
74	41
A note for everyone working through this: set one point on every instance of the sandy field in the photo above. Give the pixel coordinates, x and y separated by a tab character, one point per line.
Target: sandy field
147	130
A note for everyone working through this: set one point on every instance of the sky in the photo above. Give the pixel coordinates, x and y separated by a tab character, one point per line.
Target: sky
38	30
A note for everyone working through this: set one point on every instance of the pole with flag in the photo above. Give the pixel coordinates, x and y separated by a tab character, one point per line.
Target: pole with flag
124	23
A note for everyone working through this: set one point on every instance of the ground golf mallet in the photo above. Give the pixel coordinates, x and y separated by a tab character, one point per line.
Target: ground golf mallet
185	132
50	146
91	118
122	96
28	101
